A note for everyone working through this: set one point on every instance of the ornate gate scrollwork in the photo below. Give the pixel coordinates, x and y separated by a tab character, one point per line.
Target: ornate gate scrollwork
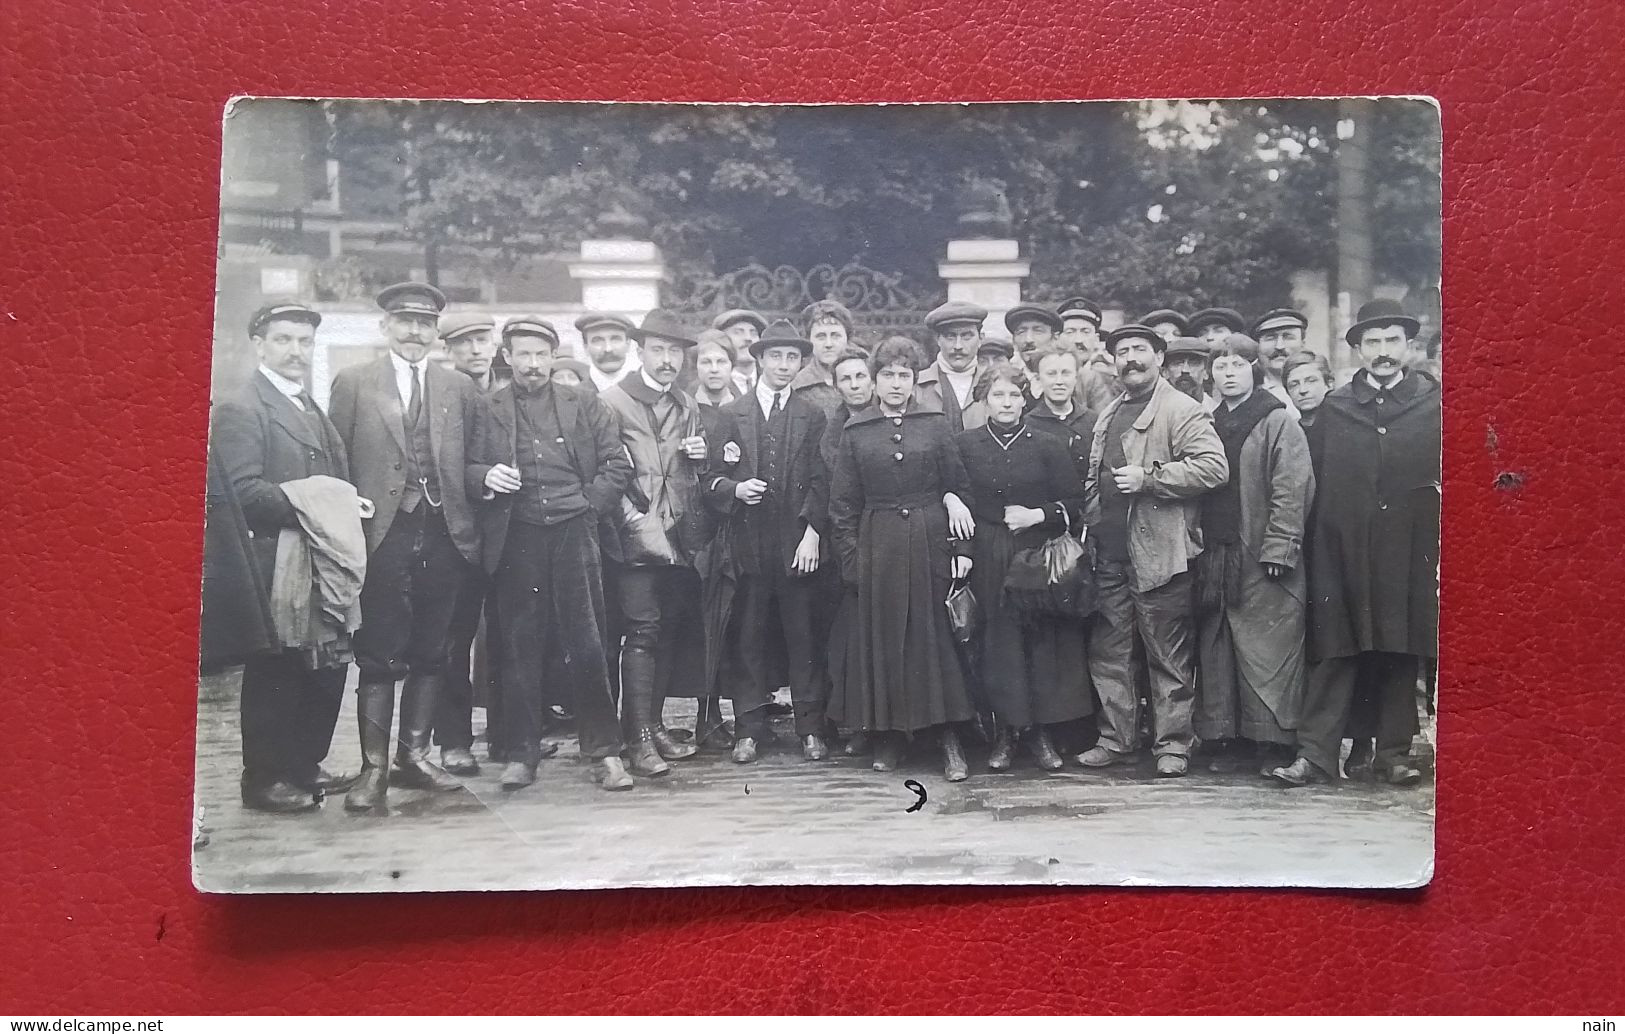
878	301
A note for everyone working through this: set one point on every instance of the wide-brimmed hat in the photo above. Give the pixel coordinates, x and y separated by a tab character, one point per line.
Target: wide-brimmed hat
662	324
778	334
1381	312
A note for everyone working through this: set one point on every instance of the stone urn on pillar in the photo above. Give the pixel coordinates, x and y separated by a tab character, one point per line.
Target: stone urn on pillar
984	263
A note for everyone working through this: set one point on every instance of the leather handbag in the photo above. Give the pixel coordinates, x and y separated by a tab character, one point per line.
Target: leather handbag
1055	579
964	613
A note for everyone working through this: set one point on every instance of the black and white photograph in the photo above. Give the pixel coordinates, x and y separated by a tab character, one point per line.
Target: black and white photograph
607	495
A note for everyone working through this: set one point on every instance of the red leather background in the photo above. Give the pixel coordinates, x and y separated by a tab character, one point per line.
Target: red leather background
109	138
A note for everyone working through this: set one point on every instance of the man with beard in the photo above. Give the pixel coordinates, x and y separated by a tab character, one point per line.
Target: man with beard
1080	332
468	341
828	326
548	464
946	384
269	434
607	338
743	327
660	528
1167	323
768	483
404	421
1214	325
1154	453
1185	367
1373	552
1279	333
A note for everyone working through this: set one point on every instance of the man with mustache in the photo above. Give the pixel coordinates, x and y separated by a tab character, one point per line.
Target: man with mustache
607	338
946	384
743	327
1154	453
1279	333
404	421
269	434
549	468
1185	367
661	530
1080	334
1031	327
1373	552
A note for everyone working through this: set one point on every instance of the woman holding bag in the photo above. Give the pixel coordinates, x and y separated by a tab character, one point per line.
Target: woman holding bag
1032	664
900	541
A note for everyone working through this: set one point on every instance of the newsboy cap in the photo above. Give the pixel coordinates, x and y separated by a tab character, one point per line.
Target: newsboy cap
458	326
996	346
529	324
727	319
282	309
778	334
1135	330
412	296
1189	346
1280	319
1156	316
1382	312
1081	307
662	324
1031	311
575	366
955	312
588	320
1230	319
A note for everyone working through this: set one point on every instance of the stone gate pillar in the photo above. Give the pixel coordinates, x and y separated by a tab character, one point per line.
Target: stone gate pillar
987	272
621	276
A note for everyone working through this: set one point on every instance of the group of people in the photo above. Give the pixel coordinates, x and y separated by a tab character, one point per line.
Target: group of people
1250	572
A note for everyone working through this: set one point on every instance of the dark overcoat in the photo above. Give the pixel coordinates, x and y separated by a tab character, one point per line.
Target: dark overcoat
367	411
1076	432
1032	671
1374	560
890	527
593	442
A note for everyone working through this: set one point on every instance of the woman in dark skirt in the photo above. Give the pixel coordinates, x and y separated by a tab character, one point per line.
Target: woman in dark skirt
1033	669
857	388
900	545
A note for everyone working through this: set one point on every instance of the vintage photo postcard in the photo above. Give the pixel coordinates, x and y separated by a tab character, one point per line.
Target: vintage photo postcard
610	495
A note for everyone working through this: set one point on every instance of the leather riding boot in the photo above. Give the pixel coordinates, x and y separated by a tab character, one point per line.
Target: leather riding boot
637	712
1004	749
1044	751
374	712
412	765
669	748
954	768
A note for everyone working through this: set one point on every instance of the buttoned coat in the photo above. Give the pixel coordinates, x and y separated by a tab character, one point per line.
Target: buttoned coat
1174	440
367	410
756	536
662	518
592	441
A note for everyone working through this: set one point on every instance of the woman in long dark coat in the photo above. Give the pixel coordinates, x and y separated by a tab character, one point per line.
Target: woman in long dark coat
857	388
1033	669
891	525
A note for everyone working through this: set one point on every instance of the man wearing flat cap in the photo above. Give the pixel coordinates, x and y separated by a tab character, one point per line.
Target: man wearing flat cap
404	421
1373	552
662	524
469	341
1031	327
743	327
607	336
269	435
1184	365
548	467
1080	333
827	326
1212	324
947	383
1166	322
1155	452
770	593
1279	333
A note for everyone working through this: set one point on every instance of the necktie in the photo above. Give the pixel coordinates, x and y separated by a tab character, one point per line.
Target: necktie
414	405
776	406
306	403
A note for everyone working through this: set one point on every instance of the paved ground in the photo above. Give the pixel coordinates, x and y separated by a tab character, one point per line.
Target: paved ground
785	821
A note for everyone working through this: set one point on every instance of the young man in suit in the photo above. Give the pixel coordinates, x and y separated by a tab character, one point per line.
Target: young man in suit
273	432
768	481
548	466
404	421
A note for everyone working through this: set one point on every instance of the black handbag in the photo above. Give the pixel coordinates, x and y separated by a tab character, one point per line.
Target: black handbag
1053	580
964	614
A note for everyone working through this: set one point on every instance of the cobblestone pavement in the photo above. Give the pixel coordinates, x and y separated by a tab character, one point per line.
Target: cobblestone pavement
787	821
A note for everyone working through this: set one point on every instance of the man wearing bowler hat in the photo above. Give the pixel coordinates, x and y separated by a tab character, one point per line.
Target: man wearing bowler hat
267	435
1279	333
548	467
767	481
1373	552
404	421
946	384
662	521
743	327
607	336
